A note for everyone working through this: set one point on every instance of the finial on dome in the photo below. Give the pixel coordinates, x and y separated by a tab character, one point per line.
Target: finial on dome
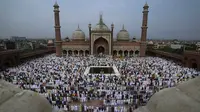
101	18
123	27
78	27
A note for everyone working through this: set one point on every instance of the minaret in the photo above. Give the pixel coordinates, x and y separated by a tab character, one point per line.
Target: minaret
57	30
90	28
144	31
112	29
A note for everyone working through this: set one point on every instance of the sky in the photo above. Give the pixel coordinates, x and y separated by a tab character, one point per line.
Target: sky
168	19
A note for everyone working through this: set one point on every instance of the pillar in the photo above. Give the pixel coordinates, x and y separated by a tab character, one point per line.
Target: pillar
57	31
112	29
90	28
144	30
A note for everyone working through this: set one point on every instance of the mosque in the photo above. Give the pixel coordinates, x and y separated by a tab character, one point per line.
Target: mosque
101	39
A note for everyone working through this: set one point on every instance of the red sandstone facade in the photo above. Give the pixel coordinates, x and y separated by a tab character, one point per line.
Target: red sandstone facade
144	31
192	59
101	39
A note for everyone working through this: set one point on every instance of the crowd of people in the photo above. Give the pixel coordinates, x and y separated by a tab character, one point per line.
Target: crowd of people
63	82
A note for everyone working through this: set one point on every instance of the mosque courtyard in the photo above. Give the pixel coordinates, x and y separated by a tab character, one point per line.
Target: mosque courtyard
97	84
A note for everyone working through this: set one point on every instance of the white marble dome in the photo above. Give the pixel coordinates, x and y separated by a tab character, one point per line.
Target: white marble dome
101	26
50	42
150	42
123	34
78	34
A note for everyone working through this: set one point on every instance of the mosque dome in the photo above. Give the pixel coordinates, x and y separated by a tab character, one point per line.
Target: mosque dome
78	34
150	42
50	42
101	26
123	35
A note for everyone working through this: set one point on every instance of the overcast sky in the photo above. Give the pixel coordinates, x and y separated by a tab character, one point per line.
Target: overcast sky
34	18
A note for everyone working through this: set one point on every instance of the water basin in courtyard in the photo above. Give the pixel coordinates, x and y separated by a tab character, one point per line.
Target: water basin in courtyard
111	70
101	70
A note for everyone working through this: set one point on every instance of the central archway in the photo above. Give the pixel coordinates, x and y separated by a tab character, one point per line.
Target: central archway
194	65
101	46
100	49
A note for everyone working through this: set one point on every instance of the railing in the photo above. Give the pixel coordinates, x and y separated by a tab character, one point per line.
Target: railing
192	52
9	51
